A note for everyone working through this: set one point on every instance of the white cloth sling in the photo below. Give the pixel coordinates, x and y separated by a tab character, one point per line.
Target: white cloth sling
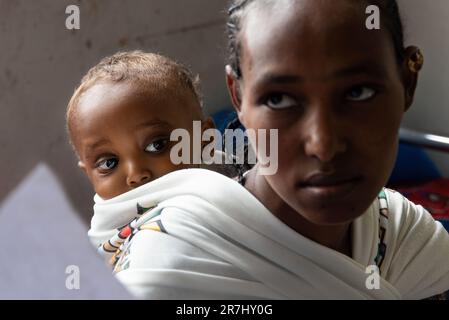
217	241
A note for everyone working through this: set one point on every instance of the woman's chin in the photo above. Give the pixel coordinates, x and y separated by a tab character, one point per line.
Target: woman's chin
325	217
330	205
332	212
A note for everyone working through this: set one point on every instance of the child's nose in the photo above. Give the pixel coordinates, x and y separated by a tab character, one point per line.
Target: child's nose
138	174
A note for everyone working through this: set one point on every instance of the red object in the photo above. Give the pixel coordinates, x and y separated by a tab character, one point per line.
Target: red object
434	196
125	232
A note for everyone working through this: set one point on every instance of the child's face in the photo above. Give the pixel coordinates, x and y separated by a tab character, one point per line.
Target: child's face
122	135
336	94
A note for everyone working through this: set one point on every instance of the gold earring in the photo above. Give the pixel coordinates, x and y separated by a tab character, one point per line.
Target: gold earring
416	61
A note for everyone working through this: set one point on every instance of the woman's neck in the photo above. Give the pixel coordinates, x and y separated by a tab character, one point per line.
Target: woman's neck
336	237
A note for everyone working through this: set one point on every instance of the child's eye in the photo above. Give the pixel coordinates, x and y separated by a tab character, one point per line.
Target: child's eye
107	164
360	93
280	101
157	145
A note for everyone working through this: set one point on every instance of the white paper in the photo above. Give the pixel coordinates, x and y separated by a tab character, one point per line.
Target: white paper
42	238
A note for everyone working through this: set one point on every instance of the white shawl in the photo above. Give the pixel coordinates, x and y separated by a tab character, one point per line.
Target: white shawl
216	240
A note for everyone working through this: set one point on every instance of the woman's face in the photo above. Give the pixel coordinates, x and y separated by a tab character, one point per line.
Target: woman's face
334	91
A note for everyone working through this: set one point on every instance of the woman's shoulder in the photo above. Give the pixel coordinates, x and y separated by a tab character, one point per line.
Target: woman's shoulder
403	211
407	219
417	260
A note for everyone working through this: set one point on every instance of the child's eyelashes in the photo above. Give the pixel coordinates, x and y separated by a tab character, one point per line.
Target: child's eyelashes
157	145
106	165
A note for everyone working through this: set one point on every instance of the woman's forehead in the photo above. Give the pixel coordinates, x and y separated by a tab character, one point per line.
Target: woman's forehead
304	20
309	12
307	34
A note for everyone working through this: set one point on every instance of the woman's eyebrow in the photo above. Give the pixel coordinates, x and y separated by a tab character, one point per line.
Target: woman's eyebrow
366	68
271	78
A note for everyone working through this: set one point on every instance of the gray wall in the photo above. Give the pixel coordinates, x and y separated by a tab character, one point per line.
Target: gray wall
427	25
41	62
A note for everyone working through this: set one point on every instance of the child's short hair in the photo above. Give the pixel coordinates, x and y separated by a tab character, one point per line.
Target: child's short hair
135	66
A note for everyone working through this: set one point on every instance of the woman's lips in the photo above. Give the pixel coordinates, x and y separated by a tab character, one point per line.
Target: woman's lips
321	187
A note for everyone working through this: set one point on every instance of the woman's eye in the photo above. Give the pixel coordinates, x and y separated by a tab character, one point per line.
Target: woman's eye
280	101
360	93
107	164
157	145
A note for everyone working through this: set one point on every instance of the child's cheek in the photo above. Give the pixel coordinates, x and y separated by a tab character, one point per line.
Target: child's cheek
108	187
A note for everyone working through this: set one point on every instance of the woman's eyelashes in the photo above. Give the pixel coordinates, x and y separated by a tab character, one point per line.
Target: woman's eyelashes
360	93
279	101
157	145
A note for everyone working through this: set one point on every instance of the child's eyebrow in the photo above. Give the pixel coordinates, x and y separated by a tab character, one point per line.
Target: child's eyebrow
153	123
98	143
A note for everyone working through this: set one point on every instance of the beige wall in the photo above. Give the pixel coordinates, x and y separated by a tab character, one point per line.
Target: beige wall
41	62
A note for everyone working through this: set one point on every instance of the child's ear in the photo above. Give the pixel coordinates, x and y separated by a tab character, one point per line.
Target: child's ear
413	63
82	166
233	88
207	123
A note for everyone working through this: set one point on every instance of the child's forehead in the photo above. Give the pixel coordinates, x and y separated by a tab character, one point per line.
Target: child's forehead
127	103
99	96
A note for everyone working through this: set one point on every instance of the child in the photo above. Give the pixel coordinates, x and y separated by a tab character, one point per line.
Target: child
119	121
322	226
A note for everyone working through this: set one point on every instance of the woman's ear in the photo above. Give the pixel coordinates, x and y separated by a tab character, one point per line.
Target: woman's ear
233	88
413	63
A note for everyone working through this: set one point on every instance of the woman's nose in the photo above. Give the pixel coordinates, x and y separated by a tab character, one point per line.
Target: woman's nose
323	139
138	174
